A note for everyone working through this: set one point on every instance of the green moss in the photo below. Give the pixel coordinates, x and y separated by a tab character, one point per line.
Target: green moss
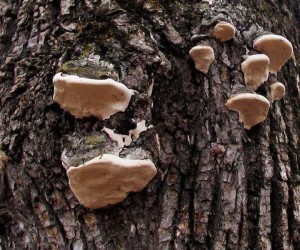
89	69
94	139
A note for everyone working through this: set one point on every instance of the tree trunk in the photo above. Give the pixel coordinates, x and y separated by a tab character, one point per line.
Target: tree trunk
218	185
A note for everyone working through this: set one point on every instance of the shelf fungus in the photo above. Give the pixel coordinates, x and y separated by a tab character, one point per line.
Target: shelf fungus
276	47
107	179
203	56
224	31
84	97
255	69
277	91
252	108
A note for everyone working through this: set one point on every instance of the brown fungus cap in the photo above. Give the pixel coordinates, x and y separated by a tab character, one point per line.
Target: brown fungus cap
252	108
84	97
276	47
224	31
277	91
255	69
107	179
203	56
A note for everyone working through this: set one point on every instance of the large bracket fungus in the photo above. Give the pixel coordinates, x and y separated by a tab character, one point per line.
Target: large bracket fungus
276	47
84	97
107	179
203	56
252	108
255	69
224	31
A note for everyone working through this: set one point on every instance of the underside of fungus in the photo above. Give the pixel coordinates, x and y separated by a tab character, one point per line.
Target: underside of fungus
252	108
276	47
203	56
84	97
224	31
255	69
107	179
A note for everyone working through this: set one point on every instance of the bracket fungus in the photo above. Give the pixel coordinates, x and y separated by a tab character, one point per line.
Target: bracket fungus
84	97
224	31
252	108
255	69
107	179
203	56
276	47
277	91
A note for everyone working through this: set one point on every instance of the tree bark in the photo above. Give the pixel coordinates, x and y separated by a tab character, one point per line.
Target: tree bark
218	185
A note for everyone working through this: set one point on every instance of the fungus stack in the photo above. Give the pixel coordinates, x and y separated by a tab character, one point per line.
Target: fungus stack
106	179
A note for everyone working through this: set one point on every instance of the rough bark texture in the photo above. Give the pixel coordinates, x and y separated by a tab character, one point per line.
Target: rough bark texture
218	187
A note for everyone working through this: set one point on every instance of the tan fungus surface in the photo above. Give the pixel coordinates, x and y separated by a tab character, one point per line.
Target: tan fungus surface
203	56
84	97
252	108
276	47
108	179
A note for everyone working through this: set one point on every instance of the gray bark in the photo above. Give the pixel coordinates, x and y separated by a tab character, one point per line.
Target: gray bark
218	186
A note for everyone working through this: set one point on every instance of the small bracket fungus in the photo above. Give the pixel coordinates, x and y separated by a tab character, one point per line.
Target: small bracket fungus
107	179
255	69
84	97
203	56
277	48
224	31
252	108
277	91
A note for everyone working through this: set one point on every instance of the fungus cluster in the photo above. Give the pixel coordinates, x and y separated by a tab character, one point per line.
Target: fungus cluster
106	179
203	55
252	107
274	51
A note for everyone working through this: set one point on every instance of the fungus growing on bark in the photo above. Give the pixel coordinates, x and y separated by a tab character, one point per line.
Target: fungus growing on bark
252	108
224	31
203	56
276	47
277	91
255	69
107	179
84	97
